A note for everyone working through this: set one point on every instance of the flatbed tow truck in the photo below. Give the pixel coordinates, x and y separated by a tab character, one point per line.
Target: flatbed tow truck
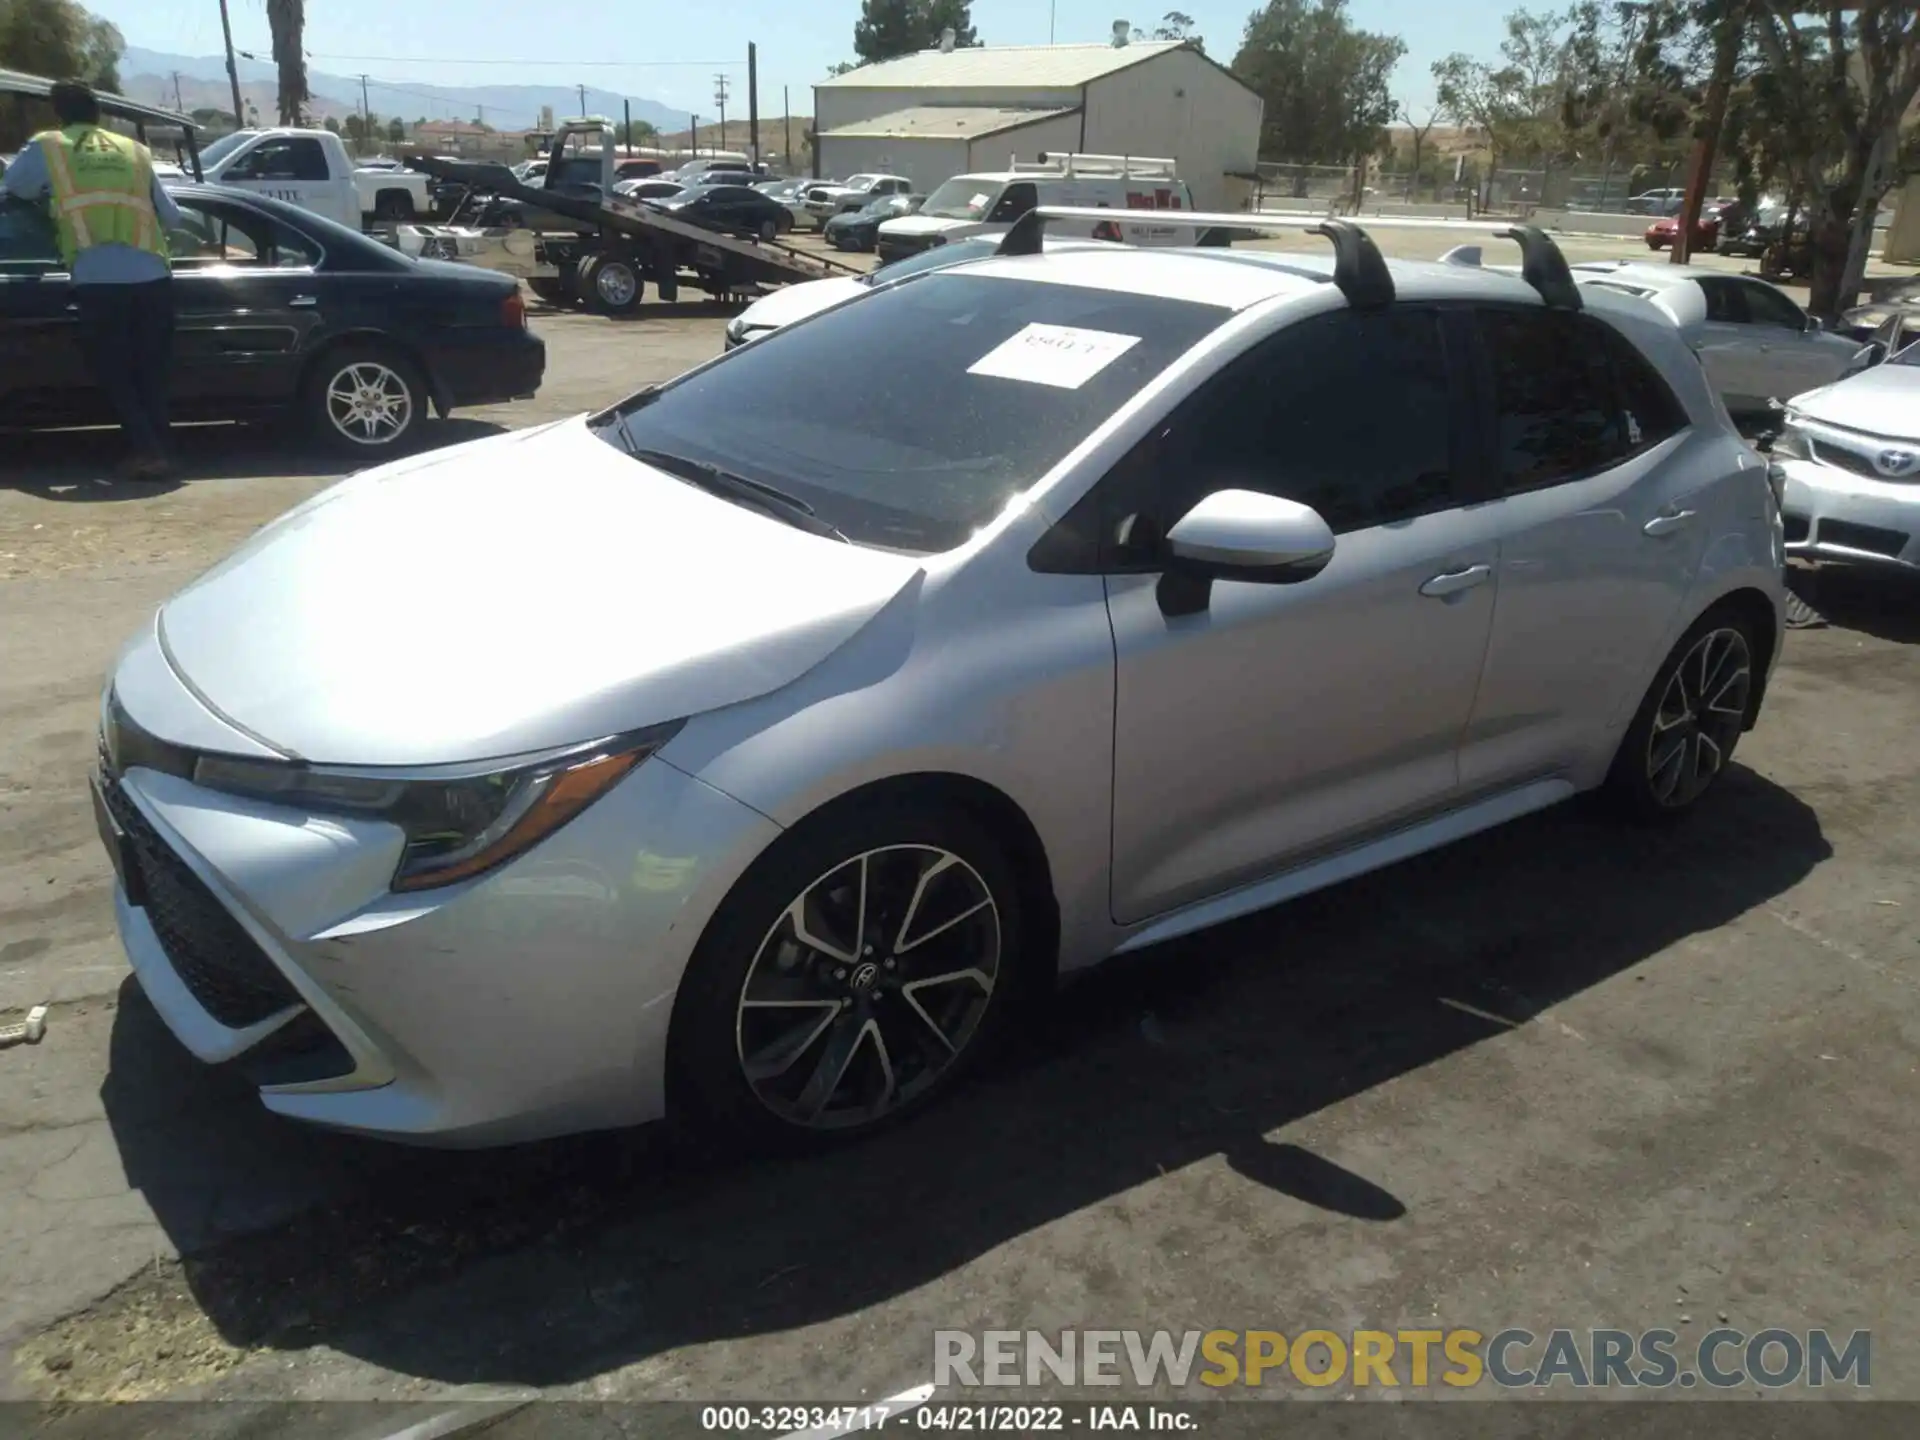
583	244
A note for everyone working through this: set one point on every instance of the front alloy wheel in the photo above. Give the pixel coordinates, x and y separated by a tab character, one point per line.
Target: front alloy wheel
869	987
1699	718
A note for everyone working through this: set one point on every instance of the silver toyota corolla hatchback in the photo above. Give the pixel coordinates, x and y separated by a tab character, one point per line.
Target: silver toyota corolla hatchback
745	751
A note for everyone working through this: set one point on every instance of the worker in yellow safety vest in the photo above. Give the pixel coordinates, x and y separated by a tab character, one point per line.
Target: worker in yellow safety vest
111	217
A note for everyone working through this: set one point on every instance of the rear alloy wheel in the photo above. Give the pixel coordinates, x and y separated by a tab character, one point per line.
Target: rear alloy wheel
768	230
364	399
1683	737
829	1000
615	286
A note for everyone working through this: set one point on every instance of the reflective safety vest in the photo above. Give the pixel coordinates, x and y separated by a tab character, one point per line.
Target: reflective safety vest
102	190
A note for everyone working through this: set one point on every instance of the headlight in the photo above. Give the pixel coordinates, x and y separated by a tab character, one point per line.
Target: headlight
459	822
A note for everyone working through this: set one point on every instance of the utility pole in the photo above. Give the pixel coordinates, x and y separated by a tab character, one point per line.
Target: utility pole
693	134
583	98
626	135
786	127
233	71
178	104
720	100
753	102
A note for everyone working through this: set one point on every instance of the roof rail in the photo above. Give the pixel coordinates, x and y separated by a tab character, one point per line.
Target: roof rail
1359	270
1074	162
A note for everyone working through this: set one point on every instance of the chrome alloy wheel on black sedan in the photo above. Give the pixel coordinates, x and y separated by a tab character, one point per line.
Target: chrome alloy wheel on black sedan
869	986
1699	718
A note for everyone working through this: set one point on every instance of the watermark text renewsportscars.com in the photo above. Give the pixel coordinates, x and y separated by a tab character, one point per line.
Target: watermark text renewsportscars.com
1512	1359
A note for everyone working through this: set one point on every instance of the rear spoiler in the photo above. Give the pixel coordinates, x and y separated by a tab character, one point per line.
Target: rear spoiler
1359	269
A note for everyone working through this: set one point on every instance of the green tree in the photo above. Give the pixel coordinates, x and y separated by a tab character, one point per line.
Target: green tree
888	29
1526	105
396	130
332	124
640	132
61	40
1178	25
1324	82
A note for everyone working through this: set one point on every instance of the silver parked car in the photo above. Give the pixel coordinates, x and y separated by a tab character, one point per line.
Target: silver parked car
794	717
1849	459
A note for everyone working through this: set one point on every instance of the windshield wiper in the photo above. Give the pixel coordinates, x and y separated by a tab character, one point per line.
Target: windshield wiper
724	483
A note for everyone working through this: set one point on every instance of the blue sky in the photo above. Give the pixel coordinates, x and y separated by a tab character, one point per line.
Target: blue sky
671	53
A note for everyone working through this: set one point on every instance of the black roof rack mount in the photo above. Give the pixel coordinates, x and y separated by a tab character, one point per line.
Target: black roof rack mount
1359	269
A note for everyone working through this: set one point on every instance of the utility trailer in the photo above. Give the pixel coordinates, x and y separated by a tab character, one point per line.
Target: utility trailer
584	244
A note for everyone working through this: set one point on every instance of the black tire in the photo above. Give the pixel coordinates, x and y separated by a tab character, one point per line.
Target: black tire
1698	702
335	420
549	289
768	230
614	286
711	1099
394	205
783	224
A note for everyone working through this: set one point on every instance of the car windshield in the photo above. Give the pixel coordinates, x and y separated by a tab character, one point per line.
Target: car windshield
881	206
965	197
954	252
219	150
914	417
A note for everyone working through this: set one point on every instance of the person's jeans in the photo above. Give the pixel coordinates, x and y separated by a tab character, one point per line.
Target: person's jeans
126	332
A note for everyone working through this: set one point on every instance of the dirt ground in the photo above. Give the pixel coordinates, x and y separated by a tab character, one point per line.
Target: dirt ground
1563	1074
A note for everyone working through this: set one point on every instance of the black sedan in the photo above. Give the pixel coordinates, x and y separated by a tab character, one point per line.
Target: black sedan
734	209
278	312
860	229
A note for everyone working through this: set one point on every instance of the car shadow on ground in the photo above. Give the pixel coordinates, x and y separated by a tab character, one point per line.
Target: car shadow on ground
77	466
1200	1048
1874	601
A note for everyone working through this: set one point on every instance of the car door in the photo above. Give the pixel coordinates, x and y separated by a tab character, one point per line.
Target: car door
1599	545
292	168
1284	720
1799	357
246	299
41	363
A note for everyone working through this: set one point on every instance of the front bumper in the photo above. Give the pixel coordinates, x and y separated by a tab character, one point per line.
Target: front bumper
530	1002
1833	513
487	367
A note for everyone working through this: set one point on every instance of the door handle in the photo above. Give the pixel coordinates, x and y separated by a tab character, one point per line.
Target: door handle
1454	581
1668	523
303	302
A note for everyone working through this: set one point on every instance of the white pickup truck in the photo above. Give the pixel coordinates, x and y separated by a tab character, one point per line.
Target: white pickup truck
312	169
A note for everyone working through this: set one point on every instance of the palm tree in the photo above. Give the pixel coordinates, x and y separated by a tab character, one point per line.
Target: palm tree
286	19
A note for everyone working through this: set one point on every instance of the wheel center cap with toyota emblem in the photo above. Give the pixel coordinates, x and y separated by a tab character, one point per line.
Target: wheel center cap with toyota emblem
864	975
1897	464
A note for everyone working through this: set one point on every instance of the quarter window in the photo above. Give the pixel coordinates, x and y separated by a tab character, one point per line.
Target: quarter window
1016	200
1555	414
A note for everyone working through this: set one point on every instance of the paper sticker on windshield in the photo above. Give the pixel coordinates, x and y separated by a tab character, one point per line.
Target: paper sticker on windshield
1059	355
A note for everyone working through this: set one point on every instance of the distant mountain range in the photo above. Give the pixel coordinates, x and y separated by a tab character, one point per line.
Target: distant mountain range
196	82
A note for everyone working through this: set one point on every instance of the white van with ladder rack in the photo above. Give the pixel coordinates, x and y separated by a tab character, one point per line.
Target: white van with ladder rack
988	203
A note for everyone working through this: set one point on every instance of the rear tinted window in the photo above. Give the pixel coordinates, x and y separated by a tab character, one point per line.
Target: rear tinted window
910	418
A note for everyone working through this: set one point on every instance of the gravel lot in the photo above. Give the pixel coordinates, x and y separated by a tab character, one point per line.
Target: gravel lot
1563	1074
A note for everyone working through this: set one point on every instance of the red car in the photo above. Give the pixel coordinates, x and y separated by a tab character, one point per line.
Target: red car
1706	230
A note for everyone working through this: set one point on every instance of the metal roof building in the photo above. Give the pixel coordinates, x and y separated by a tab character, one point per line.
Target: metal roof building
942	113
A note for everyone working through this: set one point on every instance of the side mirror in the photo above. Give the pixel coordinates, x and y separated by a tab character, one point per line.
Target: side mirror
1241	535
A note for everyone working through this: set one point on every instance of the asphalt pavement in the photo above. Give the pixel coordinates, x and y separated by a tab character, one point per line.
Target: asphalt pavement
1564	1073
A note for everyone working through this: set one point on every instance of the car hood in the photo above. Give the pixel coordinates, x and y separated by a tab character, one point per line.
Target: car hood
514	594
1882	401
796	302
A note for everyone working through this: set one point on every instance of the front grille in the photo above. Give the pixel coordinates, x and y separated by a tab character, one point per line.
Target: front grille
1870	538
1842	458
214	957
